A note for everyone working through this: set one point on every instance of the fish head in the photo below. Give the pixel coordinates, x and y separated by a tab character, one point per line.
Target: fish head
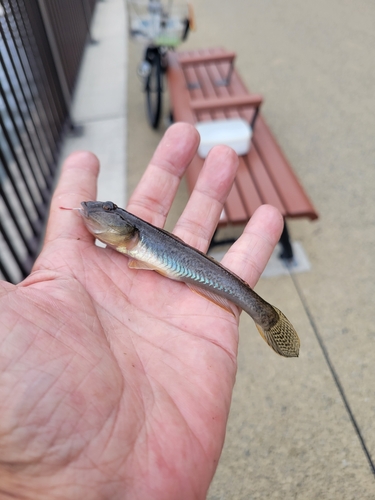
108	223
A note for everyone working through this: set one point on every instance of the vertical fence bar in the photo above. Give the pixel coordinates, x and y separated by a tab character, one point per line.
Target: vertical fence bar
41	46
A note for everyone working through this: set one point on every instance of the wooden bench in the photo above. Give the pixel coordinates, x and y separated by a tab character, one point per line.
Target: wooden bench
204	85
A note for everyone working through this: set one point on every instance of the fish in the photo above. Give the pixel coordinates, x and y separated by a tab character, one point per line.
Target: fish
152	248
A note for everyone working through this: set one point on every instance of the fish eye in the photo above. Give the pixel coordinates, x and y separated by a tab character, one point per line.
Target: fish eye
109	206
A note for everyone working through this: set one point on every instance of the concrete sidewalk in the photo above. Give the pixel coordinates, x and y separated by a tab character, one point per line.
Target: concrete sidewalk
99	104
304	428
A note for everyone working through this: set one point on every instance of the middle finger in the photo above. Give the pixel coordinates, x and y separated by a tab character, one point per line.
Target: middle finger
155	192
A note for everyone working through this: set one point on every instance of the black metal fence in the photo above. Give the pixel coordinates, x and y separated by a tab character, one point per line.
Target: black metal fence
41	46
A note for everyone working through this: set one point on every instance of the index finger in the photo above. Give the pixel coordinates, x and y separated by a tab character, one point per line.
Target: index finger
78	182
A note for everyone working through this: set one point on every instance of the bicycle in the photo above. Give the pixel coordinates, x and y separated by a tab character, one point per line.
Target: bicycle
163	26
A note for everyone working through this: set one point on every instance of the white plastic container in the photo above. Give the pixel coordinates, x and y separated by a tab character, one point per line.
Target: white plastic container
233	132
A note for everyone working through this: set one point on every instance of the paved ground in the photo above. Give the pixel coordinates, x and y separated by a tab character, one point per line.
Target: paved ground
305	428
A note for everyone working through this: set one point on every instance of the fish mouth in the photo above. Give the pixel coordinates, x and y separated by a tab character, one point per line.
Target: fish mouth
85	209
88	210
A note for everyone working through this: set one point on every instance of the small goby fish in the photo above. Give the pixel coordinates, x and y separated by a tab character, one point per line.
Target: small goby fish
152	248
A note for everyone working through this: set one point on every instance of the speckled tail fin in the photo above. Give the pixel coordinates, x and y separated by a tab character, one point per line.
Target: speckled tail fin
282	337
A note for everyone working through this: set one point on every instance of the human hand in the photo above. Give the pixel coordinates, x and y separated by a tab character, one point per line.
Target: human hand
116	383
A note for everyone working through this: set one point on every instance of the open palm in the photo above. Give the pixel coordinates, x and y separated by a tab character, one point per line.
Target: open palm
116	383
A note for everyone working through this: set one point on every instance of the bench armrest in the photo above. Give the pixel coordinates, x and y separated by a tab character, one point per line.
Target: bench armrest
222	103
209	58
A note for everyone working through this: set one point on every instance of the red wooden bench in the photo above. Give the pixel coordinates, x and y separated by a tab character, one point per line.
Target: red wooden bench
204	85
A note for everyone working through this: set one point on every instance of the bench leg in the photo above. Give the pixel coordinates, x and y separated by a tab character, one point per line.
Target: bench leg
252	124
287	250
226	81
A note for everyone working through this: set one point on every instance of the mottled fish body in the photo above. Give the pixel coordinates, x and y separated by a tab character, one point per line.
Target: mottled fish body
152	248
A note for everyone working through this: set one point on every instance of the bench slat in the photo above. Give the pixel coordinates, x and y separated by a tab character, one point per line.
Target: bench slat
208	91
292	194
264	185
247	188
198	58
223	103
178	91
221	100
194	74
234	208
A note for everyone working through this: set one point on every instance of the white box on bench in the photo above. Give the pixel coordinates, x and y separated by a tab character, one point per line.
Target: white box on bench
233	132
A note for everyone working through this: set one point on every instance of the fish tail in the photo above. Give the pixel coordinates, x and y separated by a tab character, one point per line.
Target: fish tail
282	336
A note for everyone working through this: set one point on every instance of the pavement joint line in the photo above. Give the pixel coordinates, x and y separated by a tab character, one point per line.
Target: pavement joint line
333	372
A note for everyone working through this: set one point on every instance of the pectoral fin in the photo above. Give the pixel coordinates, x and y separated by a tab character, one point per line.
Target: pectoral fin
137	264
212	297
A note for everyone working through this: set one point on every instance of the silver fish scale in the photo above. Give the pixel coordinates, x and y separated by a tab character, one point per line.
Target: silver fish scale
186	272
182	271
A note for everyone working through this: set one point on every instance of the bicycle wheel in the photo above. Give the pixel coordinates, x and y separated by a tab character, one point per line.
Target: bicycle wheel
154	88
